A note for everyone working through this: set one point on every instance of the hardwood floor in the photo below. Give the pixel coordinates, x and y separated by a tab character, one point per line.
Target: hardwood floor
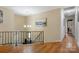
68	45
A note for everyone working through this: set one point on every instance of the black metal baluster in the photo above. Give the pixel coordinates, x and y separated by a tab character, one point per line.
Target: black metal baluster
2	37
5	37
16	38
13	37
43	37
21	38
30	37
10	37
18	41
39	36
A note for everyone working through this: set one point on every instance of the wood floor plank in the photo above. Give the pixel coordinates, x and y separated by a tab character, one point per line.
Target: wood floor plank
54	47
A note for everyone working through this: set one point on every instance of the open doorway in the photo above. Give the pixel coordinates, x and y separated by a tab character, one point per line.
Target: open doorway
69	21
69	27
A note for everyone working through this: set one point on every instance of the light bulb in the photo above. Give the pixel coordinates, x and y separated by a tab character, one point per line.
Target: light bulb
28	25
24	26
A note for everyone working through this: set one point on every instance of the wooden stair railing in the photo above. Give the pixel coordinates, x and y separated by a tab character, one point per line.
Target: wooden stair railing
18	37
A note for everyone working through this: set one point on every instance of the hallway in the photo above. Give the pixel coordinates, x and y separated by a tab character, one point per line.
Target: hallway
55	47
69	44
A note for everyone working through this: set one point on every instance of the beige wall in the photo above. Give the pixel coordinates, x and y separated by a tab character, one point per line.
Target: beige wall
8	20
52	30
19	22
11	21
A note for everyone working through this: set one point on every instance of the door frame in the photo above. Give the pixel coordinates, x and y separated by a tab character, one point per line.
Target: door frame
62	25
63	32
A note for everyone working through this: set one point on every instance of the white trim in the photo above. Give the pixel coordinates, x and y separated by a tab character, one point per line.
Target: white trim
62	24
76	15
76	26
78	35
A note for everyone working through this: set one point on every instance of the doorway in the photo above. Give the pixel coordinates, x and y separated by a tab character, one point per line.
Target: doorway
69	21
69	27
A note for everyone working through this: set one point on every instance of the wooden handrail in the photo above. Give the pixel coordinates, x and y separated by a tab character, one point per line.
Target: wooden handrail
16	37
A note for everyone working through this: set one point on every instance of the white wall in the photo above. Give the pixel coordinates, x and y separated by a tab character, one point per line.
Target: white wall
76	27
78	35
8	20
62	24
19	22
52	31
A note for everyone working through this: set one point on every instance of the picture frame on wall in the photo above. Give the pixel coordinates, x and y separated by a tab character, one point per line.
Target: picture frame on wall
41	22
1	16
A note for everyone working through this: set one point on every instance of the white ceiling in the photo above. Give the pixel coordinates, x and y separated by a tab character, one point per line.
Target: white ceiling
30	10
69	12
